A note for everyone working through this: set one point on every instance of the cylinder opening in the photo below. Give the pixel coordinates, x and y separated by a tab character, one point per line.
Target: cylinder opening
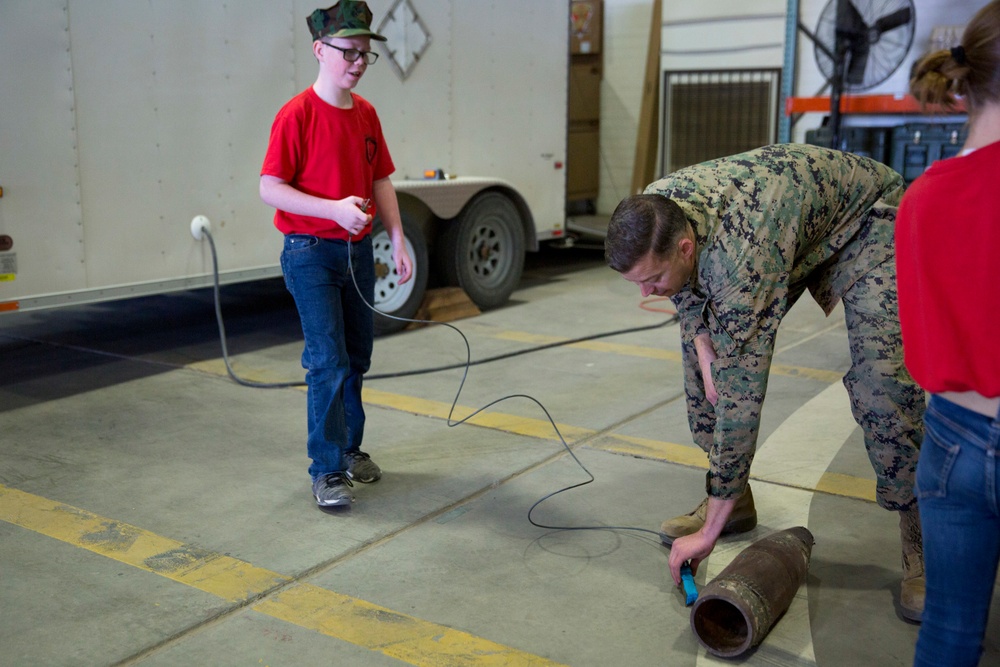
721	627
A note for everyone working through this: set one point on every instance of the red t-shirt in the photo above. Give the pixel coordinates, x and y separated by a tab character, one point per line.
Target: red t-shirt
947	251
328	152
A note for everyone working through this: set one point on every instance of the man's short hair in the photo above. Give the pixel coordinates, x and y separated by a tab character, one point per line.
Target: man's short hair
643	224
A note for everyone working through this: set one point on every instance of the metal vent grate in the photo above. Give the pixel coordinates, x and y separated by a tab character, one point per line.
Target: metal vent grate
709	114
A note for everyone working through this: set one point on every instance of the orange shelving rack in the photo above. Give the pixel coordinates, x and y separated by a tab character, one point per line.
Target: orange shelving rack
864	104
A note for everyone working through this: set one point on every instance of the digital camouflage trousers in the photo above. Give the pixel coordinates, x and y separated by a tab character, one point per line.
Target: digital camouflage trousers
885	401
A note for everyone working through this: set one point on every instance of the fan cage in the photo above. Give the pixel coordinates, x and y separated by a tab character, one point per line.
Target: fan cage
886	54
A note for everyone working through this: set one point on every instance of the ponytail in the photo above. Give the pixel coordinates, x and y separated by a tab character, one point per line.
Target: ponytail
970	70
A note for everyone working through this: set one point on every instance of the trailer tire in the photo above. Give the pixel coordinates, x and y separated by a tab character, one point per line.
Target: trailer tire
395	299
482	251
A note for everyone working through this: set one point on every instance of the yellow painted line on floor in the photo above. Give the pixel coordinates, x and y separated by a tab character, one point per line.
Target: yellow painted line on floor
807	373
847	485
397	635
653	449
593	345
830	483
228	578
498	421
370	626
656	353
217	366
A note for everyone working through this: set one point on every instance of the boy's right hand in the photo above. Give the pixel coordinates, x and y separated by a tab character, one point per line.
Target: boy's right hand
348	214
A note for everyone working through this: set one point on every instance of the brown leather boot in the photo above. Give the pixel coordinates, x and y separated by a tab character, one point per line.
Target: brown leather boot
743	519
911	592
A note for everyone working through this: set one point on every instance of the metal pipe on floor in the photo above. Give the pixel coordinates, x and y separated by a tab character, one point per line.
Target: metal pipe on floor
737	609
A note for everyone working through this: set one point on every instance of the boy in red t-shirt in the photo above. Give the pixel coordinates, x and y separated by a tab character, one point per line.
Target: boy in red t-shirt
326	172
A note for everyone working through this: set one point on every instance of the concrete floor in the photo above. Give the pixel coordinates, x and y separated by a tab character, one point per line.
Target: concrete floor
154	512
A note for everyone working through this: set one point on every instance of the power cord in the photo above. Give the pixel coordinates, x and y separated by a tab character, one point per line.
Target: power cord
468	364
420	371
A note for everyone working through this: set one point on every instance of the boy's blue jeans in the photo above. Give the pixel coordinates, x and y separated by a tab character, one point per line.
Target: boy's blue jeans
339	331
957	478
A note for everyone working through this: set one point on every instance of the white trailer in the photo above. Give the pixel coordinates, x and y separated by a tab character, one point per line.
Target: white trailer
121	122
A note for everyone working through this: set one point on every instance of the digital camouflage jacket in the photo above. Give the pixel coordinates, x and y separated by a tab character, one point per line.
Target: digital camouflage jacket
769	224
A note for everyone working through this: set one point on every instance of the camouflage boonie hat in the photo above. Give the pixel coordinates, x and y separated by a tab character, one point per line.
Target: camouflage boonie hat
347	18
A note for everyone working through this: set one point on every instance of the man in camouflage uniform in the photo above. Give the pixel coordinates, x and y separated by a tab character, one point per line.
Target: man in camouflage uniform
735	242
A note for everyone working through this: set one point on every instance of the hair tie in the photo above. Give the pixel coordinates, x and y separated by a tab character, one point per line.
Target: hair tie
958	54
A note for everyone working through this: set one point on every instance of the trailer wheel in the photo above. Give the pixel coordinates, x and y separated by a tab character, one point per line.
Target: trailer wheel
483	249
392	297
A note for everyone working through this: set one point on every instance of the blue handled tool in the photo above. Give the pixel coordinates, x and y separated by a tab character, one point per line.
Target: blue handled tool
687	579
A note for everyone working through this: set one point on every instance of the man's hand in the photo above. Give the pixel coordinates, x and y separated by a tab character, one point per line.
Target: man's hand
706	355
697	546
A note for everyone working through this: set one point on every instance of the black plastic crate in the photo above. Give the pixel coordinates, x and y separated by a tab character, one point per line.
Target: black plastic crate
870	142
916	145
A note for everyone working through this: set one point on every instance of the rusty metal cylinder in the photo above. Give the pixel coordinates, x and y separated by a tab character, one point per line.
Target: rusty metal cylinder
737	609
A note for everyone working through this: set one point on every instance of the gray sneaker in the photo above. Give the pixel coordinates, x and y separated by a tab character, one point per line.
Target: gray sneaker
361	467
331	490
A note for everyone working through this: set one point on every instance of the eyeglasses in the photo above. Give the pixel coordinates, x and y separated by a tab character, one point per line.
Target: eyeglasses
352	55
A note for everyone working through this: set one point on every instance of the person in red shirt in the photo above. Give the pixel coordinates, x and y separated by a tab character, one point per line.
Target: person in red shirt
326	172
947	244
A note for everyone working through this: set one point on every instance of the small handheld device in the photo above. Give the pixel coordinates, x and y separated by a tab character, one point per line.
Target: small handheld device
687	579
364	205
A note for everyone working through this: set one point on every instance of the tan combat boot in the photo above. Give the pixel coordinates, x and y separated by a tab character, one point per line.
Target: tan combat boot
911	592
743	519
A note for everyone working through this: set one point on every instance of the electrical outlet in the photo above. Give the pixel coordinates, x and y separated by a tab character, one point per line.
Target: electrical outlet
199	225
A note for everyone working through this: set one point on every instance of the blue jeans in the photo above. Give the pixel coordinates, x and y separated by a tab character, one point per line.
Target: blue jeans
339	332
960	513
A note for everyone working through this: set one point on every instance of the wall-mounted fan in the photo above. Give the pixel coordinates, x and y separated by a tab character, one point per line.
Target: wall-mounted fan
859	44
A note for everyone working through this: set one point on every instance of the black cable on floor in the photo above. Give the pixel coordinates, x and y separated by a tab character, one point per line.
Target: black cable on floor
516	353
468	363
399	374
